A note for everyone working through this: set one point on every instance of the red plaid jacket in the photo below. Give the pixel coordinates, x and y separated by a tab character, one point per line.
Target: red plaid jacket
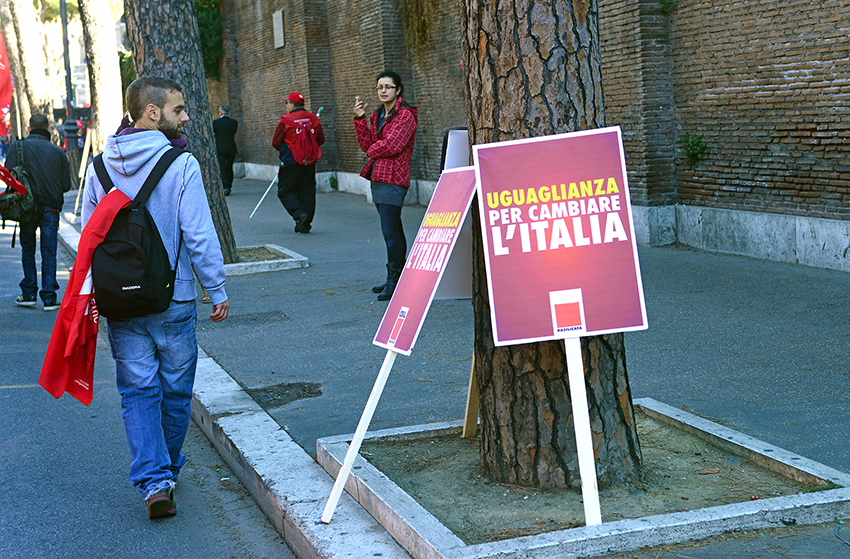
391	149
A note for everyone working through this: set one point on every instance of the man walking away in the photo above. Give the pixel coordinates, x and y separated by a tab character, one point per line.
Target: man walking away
296	185
224	129
50	178
156	355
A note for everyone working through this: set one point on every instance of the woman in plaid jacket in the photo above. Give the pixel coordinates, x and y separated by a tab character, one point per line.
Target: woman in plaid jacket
387	138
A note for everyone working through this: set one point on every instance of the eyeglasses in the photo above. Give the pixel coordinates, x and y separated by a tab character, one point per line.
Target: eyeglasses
386	87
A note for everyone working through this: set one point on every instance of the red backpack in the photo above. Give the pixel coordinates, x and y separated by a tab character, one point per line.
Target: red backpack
304	147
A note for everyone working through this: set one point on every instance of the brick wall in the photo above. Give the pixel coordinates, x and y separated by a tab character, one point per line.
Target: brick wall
620	43
439	80
260	77
764	82
334	51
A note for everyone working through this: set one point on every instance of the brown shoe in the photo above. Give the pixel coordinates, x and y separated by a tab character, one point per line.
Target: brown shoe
161	505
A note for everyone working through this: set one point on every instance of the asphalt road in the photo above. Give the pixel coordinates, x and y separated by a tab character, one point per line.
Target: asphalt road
63	466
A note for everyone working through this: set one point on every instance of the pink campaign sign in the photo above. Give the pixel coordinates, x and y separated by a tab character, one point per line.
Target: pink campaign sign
427	261
560	245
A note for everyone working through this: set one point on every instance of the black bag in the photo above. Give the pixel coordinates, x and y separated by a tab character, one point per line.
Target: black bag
13	205
131	272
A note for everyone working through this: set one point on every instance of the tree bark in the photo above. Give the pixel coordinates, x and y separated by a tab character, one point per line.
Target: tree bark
104	75
165	42
534	69
31	79
20	112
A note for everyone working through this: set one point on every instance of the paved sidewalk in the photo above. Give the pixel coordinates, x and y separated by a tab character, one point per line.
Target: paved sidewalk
758	346
63	465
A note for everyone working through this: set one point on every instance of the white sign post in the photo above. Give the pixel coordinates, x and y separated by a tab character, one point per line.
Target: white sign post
584	442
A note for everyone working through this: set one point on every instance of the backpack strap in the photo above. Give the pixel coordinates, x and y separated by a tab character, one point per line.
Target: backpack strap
19	146
156	175
102	175
150	183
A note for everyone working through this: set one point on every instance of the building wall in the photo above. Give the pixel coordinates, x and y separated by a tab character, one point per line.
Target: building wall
764	82
766	85
333	52
259	76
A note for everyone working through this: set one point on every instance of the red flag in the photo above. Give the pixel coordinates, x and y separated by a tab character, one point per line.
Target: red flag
7	178
5	79
69	361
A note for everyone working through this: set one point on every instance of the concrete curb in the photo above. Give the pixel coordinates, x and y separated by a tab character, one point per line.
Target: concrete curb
288	260
425	537
288	485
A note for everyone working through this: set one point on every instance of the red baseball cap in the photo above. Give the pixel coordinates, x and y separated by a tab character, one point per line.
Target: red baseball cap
295	98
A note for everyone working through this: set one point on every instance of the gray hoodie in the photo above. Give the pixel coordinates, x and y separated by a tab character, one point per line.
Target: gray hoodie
177	203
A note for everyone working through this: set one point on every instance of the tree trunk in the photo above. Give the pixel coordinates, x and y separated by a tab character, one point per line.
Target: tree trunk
534	69
20	111
165	42
104	75
31	79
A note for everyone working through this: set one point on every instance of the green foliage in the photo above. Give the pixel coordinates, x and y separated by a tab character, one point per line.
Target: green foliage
827	486
420	18
49	10
212	43
667	6
694	148
334	182
128	69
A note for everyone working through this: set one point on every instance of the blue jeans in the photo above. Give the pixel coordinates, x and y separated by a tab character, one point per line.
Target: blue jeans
155	360
48	223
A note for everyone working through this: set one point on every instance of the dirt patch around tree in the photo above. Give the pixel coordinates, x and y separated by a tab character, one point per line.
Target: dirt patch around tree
259	254
681	472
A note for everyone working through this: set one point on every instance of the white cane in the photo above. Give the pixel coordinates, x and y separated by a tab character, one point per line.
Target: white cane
263	198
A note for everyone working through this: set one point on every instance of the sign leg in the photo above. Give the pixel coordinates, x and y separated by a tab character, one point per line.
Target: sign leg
470	417
584	441
359	434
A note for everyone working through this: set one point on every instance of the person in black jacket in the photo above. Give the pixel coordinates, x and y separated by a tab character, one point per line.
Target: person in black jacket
50	178
224	128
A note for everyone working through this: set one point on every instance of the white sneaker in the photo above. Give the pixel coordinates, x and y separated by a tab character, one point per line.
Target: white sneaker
22	301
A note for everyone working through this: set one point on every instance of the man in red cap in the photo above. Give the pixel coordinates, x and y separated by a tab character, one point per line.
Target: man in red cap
298	137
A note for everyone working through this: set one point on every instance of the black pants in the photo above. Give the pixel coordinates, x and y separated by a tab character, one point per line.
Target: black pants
225	166
393	232
296	188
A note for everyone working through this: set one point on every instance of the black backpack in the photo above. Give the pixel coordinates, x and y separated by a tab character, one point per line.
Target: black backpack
15	206
131	272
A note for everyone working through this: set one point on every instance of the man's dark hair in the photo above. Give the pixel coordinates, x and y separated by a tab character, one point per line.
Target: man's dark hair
39	122
146	91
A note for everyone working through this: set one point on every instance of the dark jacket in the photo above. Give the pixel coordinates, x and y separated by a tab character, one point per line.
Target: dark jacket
225	130
49	171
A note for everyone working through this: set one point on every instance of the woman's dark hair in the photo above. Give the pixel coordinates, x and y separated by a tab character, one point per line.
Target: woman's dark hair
396	82
394	77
